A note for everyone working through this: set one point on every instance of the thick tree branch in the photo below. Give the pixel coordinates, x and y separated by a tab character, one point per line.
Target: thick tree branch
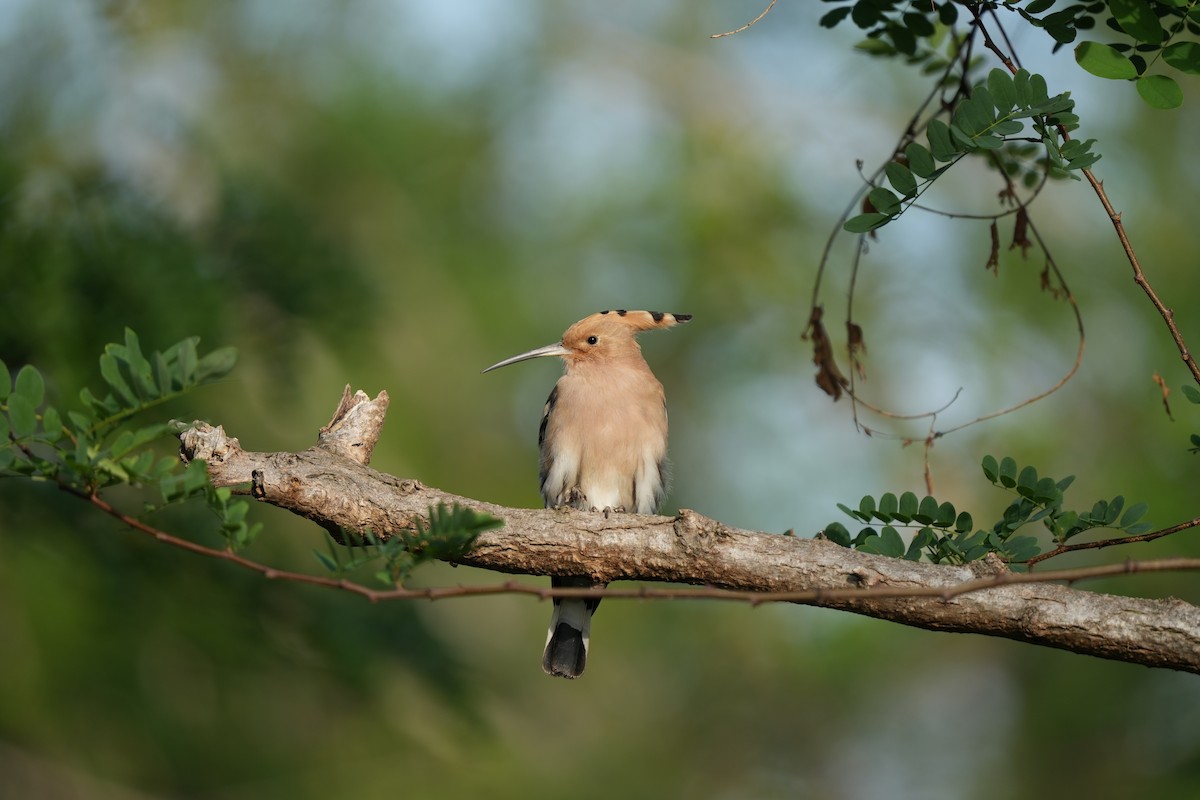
330	485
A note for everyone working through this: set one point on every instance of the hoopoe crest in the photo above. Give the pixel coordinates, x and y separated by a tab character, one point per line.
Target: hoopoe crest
603	443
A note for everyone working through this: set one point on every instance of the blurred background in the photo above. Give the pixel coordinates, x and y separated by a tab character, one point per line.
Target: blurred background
397	194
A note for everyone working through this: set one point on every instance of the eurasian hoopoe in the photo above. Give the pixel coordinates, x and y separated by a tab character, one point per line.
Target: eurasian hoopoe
603	444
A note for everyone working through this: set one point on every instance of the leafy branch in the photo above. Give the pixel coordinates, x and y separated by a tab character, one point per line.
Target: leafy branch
98	447
945	536
987	119
448	535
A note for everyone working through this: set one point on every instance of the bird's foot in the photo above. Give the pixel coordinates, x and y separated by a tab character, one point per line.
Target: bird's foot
610	510
573	499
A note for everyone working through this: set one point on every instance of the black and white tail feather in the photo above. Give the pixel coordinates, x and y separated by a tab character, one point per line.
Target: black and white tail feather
567	639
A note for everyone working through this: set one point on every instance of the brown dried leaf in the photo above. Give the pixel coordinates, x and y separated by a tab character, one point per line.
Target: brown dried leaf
1021	233
829	377
857	345
1056	291
993	262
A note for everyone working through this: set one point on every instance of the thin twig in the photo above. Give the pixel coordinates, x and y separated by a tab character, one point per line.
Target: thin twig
1114	216
816	596
748	25
1139	277
1102	543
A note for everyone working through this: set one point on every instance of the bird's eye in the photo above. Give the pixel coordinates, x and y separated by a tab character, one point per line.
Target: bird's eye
593	339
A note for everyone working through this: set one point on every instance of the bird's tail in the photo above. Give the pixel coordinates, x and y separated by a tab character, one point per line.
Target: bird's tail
566	650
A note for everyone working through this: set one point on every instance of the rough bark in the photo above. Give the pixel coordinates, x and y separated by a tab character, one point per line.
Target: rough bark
332	485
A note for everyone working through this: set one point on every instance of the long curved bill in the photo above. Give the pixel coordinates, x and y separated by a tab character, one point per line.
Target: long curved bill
555	349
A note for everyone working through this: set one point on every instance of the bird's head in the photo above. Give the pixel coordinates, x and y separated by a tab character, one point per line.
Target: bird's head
604	337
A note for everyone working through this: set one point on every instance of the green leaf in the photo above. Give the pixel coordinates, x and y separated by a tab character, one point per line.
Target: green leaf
1183	56
139	367
1037	89
1017	514
923	539
1021	87
95	406
865	223
1061	26
52	425
1064	526
866	14
1004	94
111	372
902	39
162	374
1027	481
920	161
836	532
869	544
890	543
1135	512
1007	127
81	422
1008	472
1114	510
1065	483
941	145
981	109
945	516
140	465
187	361
864	535
1038	6
121	445
832	18
1137	18
22	414
1104	61
888	506
850	512
901	178
1045	512
327	562
1046	491
919	24
927	512
989	142
965	141
1160	92
30	385
5	380
964	523
884	201
236	512
1191	393
866	506
192	480
1021	548
908	506
149	433
216	364
991	470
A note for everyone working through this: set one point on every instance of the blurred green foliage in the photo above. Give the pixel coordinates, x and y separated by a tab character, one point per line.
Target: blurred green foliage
393	196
